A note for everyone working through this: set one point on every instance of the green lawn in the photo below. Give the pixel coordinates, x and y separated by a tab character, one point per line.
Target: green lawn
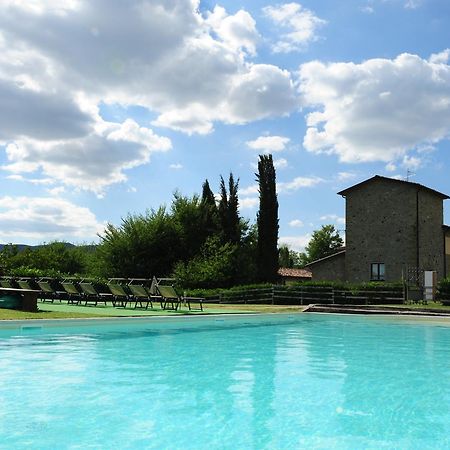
65	311
10	314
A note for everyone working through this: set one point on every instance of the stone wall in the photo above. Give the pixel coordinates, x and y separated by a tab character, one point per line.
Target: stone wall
331	268
447	251
431	243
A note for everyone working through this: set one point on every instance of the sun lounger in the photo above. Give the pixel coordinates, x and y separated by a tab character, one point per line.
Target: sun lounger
48	293
170	296
25	284
142	296
71	292
90	294
7	284
120	296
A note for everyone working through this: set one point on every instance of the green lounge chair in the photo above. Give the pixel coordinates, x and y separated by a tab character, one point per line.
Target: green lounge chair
71	292
6	284
170	296
90	294
141	295
25	284
48	293
120	296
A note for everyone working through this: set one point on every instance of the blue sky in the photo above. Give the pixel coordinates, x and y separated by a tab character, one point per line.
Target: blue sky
108	107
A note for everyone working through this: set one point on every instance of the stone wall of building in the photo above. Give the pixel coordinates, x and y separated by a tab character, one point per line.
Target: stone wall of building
380	228
431	240
329	268
447	252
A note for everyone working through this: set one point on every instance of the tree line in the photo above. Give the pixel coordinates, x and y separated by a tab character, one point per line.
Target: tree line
201	241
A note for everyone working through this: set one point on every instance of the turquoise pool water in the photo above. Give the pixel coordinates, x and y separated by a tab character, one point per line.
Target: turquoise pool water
310	381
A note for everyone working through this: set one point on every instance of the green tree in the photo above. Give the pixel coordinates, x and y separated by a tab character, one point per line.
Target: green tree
209	211
285	257
186	213
141	246
228	211
267	220
324	242
213	267
54	256
7	257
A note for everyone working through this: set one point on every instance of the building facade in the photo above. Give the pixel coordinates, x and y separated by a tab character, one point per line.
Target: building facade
390	225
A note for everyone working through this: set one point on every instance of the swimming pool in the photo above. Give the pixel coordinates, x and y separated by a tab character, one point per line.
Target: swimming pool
272	382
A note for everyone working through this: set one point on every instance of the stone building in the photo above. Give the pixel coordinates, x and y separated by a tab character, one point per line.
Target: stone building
390	224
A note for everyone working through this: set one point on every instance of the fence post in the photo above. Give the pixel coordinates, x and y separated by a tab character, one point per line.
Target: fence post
273	294
301	295
332	295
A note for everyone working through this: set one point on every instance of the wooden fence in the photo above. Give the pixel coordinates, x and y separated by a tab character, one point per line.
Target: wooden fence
304	295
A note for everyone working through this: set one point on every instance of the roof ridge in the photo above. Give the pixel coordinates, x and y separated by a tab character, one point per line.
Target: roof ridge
394	180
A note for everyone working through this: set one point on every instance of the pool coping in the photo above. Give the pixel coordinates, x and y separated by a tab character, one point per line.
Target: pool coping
58	322
373	310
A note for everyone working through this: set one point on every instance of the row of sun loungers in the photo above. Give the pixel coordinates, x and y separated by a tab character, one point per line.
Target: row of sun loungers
118	294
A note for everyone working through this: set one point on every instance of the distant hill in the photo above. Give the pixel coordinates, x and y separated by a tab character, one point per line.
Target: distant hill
19	246
24	246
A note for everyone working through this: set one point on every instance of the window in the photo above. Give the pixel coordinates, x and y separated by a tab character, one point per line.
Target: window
377	271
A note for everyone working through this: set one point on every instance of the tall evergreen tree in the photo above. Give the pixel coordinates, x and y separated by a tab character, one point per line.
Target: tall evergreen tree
222	210
208	195
267	220
228	210
234	221
209	211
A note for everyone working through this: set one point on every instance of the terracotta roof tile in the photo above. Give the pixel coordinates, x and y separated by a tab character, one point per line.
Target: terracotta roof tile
295	273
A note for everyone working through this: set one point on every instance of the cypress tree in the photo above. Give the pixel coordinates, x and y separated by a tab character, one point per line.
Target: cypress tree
228	211
234	223
209	211
222	210
267	220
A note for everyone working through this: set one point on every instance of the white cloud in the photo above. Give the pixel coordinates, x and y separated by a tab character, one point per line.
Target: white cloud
377	110
58	190
92	162
407	4
346	176
248	202
297	243
269	144
238	31
367	9
45	219
333	218
296	223
280	163
441	57
25	112
391	167
412	4
189	67
300	24
260	92
192	120
176	166
411	162
298	183
253	189
59	60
